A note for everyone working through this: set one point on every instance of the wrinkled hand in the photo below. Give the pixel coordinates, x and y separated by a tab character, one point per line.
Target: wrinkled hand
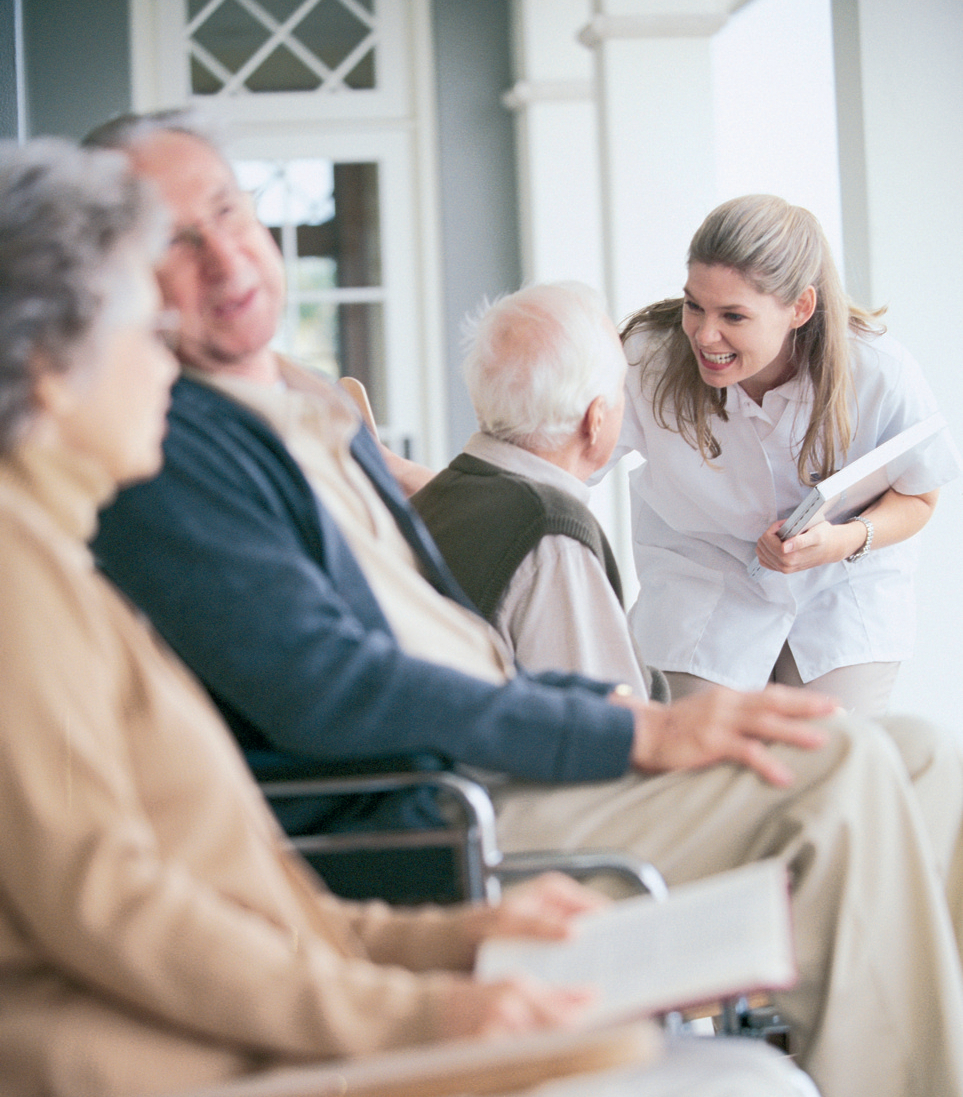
544	906
508	1006
409	474
823	543
723	725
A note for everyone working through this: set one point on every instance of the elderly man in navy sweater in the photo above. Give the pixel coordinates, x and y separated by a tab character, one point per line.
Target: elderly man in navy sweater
277	555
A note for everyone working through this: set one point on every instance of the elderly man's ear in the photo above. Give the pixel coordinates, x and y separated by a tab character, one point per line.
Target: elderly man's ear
593	420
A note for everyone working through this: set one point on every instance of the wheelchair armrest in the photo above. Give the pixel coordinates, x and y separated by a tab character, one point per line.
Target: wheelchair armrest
485	867
640	875
476	837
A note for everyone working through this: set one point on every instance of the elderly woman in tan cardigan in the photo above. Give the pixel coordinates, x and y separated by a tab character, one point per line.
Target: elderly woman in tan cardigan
155	935
153	932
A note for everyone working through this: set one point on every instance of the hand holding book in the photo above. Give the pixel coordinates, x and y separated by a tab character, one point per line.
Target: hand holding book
845	494
726	934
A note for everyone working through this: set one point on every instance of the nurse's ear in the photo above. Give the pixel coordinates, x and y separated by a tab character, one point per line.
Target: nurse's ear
803	307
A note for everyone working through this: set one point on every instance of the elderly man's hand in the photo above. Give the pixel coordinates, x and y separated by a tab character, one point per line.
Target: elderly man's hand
722	725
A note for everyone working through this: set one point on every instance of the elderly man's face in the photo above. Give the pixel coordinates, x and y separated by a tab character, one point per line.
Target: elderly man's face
222	271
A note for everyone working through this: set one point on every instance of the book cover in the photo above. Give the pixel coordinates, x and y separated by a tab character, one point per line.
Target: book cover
727	934
846	493
482	1066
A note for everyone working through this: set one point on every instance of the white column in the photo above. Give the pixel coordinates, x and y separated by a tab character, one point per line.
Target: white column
653	64
555	126
560	202
901	97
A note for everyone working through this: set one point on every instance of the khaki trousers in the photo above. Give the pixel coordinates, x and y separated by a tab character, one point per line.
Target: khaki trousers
878	1007
933	758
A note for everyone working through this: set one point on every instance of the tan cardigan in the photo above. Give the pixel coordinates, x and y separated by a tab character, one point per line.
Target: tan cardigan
153	931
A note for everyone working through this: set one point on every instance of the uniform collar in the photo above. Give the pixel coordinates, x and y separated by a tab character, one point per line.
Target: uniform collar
797	390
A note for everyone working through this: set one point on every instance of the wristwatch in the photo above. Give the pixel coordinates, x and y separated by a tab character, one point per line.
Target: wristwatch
860	553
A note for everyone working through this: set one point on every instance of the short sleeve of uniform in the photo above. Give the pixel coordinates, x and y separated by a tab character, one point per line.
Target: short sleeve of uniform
892	395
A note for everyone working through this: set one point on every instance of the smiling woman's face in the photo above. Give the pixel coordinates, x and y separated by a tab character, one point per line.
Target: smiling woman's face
738	335
111	403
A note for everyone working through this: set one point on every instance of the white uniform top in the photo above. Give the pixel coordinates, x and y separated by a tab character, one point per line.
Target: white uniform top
695	528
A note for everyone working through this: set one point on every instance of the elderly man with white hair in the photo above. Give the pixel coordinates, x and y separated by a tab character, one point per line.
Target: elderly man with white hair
545	371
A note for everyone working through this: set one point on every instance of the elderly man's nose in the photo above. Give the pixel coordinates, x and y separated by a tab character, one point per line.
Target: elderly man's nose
218	252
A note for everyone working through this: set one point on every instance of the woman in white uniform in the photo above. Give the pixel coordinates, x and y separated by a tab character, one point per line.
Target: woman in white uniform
761	380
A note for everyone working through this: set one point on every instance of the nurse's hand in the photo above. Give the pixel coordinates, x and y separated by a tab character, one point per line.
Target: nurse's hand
894	517
823	543
723	725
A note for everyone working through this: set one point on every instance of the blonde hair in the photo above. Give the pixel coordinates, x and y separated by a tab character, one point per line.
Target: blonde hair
779	249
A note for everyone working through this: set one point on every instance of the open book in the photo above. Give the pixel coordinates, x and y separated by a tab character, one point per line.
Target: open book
726	934
843	495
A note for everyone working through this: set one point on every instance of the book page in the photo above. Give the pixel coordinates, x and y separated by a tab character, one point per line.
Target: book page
727	934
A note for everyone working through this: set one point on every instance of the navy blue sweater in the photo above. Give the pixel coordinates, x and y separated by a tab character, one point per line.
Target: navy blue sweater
247	577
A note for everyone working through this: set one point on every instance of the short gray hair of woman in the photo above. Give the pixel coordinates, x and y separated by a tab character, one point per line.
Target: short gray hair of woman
537	358
65	214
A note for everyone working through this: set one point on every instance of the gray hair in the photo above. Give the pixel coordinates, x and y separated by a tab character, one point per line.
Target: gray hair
536	360
65	213
127	130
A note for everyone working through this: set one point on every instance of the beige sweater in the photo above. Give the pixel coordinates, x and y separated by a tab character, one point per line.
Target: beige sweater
154	933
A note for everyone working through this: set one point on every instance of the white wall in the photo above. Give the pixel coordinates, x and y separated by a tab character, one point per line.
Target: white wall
775	108
912	91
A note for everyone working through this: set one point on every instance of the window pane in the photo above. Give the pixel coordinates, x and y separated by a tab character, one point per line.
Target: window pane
334	33
314	341
343	341
332	45
315	274
324	217
333	209
361	352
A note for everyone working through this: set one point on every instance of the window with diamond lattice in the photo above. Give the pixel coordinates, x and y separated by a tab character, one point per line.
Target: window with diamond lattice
250	46
314	100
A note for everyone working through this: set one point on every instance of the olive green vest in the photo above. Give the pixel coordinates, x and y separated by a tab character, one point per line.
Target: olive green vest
486	521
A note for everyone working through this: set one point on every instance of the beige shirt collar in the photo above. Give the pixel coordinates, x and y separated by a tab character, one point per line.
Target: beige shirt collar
317	422
523	462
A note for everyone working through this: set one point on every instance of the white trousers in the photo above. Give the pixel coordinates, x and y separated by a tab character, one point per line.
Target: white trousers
878	1007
